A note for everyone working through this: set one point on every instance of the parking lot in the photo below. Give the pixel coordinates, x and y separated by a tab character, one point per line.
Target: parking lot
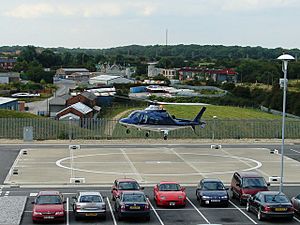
193	213
51	169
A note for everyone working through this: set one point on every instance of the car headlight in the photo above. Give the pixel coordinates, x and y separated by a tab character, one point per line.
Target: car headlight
59	213
224	197
180	197
205	197
37	213
162	197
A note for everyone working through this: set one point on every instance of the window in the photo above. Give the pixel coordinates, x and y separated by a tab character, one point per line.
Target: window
169	187
276	199
128	186
254	182
90	198
48	199
133	198
212	186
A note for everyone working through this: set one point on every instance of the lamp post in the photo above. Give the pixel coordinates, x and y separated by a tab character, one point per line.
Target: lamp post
285	58
71	150
214	127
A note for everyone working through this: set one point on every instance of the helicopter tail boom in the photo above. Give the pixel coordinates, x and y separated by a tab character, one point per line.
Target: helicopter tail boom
198	117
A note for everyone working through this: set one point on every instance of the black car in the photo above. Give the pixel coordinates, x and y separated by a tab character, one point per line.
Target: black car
132	204
212	192
270	204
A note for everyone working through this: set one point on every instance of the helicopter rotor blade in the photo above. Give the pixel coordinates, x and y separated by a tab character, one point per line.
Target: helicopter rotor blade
183	103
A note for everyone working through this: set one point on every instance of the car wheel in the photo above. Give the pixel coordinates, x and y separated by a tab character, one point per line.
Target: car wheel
259	215
248	207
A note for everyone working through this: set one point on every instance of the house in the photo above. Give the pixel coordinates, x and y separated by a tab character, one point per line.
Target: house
7	63
80	76
9	103
65	72
169	73
57	104
109	80
6	78
218	75
77	111
152	70
87	98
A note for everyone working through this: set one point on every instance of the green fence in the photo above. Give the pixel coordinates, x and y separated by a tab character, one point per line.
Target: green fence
45	129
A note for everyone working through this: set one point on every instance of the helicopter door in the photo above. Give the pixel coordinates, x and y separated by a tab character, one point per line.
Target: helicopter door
143	119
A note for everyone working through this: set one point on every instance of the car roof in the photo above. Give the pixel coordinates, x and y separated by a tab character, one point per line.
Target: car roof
211	180
271	193
168	182
81	193
126	180
133	192
249	174
49	193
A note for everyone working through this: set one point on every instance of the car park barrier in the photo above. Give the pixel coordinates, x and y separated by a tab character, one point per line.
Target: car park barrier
216	146
77	180
274	179
274	151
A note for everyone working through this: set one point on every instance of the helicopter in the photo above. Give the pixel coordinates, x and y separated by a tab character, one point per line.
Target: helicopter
155	118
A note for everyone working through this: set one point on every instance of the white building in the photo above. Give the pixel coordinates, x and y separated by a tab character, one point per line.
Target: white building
109	80
152	70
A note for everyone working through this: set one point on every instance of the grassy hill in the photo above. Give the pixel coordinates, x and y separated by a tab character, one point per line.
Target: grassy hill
15	114
222	112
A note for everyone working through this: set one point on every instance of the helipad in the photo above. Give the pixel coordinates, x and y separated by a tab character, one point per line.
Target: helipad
147	165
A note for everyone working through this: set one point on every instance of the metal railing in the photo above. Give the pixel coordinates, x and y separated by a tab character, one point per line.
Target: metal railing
50	129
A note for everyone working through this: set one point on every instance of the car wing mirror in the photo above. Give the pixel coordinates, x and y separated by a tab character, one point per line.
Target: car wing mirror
114	189
268	184
238	184
226	188
64	202
183	189
142	188
33	202
74	198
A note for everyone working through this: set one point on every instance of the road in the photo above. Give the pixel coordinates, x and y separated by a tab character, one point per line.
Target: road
42	106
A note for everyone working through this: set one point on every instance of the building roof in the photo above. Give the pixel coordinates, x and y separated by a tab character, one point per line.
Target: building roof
89	95
60	100
4	100
80	107
105	77
68	116
17	75
75	69
5	60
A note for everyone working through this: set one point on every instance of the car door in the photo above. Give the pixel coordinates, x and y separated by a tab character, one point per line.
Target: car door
156	191
236	182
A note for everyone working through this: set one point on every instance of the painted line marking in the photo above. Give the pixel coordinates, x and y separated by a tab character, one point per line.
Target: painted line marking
131	164
295	151
6	193
246	163
295	218
242	212
158	217
188	163
206	220
111	211
68	215
33	194
10	173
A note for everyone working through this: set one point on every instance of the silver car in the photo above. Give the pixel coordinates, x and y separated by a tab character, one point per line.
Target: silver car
89	204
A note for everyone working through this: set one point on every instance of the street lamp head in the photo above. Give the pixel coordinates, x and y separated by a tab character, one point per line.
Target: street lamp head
286	57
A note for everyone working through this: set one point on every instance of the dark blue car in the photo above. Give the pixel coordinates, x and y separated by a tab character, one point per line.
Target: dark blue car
212	192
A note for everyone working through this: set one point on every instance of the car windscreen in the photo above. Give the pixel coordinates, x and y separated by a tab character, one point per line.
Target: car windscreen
90	198
48	199
169	187
133	198
276	199
128	186
213	186
254	182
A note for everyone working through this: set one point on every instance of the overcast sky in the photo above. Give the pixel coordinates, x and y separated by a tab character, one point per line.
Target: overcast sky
112	23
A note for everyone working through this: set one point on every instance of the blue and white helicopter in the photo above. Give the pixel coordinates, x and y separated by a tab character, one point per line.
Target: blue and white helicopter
155	118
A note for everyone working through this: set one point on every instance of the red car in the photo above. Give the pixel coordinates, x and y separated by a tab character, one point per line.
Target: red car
169	194
124	184
48	206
